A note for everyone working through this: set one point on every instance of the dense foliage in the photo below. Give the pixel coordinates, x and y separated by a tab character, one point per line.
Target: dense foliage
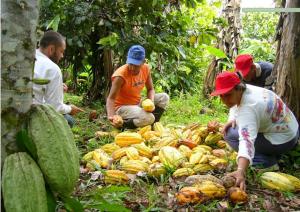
175	36
259	39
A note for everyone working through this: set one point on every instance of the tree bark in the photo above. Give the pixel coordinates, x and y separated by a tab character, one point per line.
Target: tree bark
228	42
287	65
19	22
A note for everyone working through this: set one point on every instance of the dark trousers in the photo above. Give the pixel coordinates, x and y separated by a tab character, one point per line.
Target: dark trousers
70	120
266	153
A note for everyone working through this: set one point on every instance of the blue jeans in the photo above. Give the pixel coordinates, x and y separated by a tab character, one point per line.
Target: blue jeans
266	153
70	119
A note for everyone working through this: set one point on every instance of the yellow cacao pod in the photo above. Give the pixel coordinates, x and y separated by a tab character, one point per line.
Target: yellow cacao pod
274	180
166	141
158	127
117	154
155	159
184	150
115	177
151	135
88	156
110	148
237	195
196	157
102	158
295	181
148	105
202	168
156	170
221	144
213	138
196	179
203	148
145	129
219	163
135	166
123	160
220	153
171	157
183	172
128	138
143	150
132	153
211	189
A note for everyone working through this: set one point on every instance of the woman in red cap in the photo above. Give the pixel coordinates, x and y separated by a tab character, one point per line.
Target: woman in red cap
260	125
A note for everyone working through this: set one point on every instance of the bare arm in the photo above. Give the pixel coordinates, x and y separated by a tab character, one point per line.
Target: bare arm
240	173
110	102
150	88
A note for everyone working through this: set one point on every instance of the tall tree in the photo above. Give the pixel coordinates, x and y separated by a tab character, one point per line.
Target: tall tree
287	65
228	42
19	21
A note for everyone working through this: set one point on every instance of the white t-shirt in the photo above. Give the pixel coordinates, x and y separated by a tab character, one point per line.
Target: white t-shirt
262	111
51	93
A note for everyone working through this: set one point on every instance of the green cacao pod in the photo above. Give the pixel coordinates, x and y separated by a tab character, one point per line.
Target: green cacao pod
213	138
56	151
23	185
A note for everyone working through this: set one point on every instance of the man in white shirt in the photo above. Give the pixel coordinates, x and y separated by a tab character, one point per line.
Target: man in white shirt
50	52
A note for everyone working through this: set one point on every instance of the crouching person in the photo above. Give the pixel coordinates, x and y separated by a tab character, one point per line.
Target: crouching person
124	98
260	126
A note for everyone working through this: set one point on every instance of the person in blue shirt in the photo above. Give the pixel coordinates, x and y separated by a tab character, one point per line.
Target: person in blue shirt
254	73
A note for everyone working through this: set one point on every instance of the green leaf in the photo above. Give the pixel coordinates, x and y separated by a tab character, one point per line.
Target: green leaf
154	2
105	206
25	143
182	52
54	23
72	204
40	81
216	52
110	40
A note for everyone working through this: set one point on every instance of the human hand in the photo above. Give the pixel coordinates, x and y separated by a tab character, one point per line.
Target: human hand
240	179
75	110
116	121
65	87
229	124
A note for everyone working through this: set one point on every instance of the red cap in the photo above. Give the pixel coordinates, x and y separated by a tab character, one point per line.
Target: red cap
243	63
225	82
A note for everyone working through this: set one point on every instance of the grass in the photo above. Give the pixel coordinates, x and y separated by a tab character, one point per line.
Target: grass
186	109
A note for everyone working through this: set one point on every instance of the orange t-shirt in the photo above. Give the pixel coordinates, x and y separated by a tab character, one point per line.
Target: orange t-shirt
130	93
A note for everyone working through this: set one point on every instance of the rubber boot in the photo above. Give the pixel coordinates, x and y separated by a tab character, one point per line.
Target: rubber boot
158	113
128	124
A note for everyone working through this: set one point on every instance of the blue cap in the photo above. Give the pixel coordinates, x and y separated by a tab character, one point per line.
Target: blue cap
136	55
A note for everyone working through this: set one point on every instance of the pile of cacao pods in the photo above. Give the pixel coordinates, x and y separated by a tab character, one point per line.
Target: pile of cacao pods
189	152
181	151
55	161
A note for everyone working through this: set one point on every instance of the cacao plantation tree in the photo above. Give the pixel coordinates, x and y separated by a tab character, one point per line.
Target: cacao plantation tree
99	34
287	66
228	43
19	22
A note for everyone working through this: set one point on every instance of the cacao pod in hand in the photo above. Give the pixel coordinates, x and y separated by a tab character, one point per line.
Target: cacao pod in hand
237	195
148	105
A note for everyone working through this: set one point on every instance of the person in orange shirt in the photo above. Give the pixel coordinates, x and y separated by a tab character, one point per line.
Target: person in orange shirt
124	98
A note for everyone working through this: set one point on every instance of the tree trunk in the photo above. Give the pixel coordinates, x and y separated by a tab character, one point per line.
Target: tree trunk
102	68
287	64
228	42
19	22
